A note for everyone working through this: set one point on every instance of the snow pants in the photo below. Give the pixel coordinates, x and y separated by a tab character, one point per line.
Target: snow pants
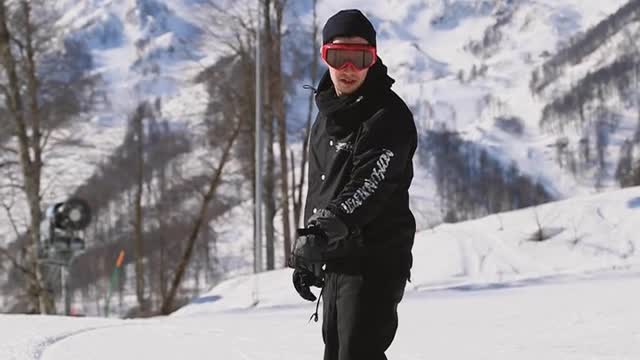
360	315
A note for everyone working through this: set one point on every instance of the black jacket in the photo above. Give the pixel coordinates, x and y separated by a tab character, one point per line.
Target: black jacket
360	168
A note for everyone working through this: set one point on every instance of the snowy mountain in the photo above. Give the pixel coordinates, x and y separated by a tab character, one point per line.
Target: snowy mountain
483	289
492	84
491	50
469	67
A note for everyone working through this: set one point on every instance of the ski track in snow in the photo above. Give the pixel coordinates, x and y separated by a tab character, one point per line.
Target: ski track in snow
588	316
41	349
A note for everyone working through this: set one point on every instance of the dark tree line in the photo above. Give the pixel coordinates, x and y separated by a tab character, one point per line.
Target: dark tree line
625	169
587	107
584	107
628	168
471	183
584	44
493	34
614	79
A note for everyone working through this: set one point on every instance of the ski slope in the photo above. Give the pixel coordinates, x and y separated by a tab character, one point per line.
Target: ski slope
480	290
564	320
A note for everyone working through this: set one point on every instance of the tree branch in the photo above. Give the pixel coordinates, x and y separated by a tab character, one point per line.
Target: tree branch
45	139
167	304
8	149
4	252
8	163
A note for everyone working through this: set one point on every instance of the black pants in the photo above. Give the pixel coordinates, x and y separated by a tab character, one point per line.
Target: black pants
360	315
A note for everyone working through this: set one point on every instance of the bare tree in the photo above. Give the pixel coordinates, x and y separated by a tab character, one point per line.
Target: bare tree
141	113
29	134
275	114
216	178
278	101
297	207
43	83
8	204
231	25
269	195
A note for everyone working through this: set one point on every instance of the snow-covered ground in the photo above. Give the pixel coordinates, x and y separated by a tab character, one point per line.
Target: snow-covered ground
481	290
552	320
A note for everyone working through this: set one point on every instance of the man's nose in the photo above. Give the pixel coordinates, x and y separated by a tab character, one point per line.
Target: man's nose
349	67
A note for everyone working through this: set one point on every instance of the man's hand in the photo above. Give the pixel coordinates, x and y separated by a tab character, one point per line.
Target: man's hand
306	259
341	241
331	225
303	279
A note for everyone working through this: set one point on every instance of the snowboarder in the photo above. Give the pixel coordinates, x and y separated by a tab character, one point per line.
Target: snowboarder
360	230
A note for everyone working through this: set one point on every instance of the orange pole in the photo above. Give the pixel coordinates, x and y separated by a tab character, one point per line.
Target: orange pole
114	275
120	259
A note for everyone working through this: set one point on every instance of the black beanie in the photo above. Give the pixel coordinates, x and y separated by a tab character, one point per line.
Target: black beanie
348	23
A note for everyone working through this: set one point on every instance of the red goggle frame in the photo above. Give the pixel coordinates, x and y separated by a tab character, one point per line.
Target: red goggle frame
339	56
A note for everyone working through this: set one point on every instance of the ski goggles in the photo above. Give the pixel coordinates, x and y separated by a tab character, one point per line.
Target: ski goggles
339	56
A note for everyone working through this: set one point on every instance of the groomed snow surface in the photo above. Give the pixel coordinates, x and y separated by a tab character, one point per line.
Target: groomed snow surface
480	290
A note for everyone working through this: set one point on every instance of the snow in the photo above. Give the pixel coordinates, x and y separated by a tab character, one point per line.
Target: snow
545	321
479	290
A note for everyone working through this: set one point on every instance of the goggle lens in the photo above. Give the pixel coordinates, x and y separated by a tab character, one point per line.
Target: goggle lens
339	56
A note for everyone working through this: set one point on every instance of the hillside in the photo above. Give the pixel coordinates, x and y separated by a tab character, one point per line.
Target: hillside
570	239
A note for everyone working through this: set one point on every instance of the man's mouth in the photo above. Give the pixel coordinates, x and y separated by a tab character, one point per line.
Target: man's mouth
347	82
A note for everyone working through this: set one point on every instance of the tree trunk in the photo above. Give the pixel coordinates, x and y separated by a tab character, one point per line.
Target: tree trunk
636	137
250	68
208	267
294	196
280	115
46	302
305	143
162	253
137	239
269	176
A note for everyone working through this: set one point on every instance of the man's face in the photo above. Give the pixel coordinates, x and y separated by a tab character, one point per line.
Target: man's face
349	79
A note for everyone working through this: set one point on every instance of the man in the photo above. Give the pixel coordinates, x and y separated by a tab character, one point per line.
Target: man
359	225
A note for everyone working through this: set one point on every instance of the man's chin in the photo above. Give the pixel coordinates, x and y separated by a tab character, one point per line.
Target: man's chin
343	90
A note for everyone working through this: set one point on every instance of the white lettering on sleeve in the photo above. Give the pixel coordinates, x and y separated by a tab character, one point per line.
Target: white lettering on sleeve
370	185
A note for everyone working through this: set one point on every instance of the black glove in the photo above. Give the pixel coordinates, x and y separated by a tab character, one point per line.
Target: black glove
341	240
303	279
308	248
307	258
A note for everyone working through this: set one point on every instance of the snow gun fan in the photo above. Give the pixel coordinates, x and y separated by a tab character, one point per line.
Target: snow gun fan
63	244
65	219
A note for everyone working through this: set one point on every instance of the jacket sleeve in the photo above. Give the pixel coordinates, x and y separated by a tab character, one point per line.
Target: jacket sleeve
380	159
